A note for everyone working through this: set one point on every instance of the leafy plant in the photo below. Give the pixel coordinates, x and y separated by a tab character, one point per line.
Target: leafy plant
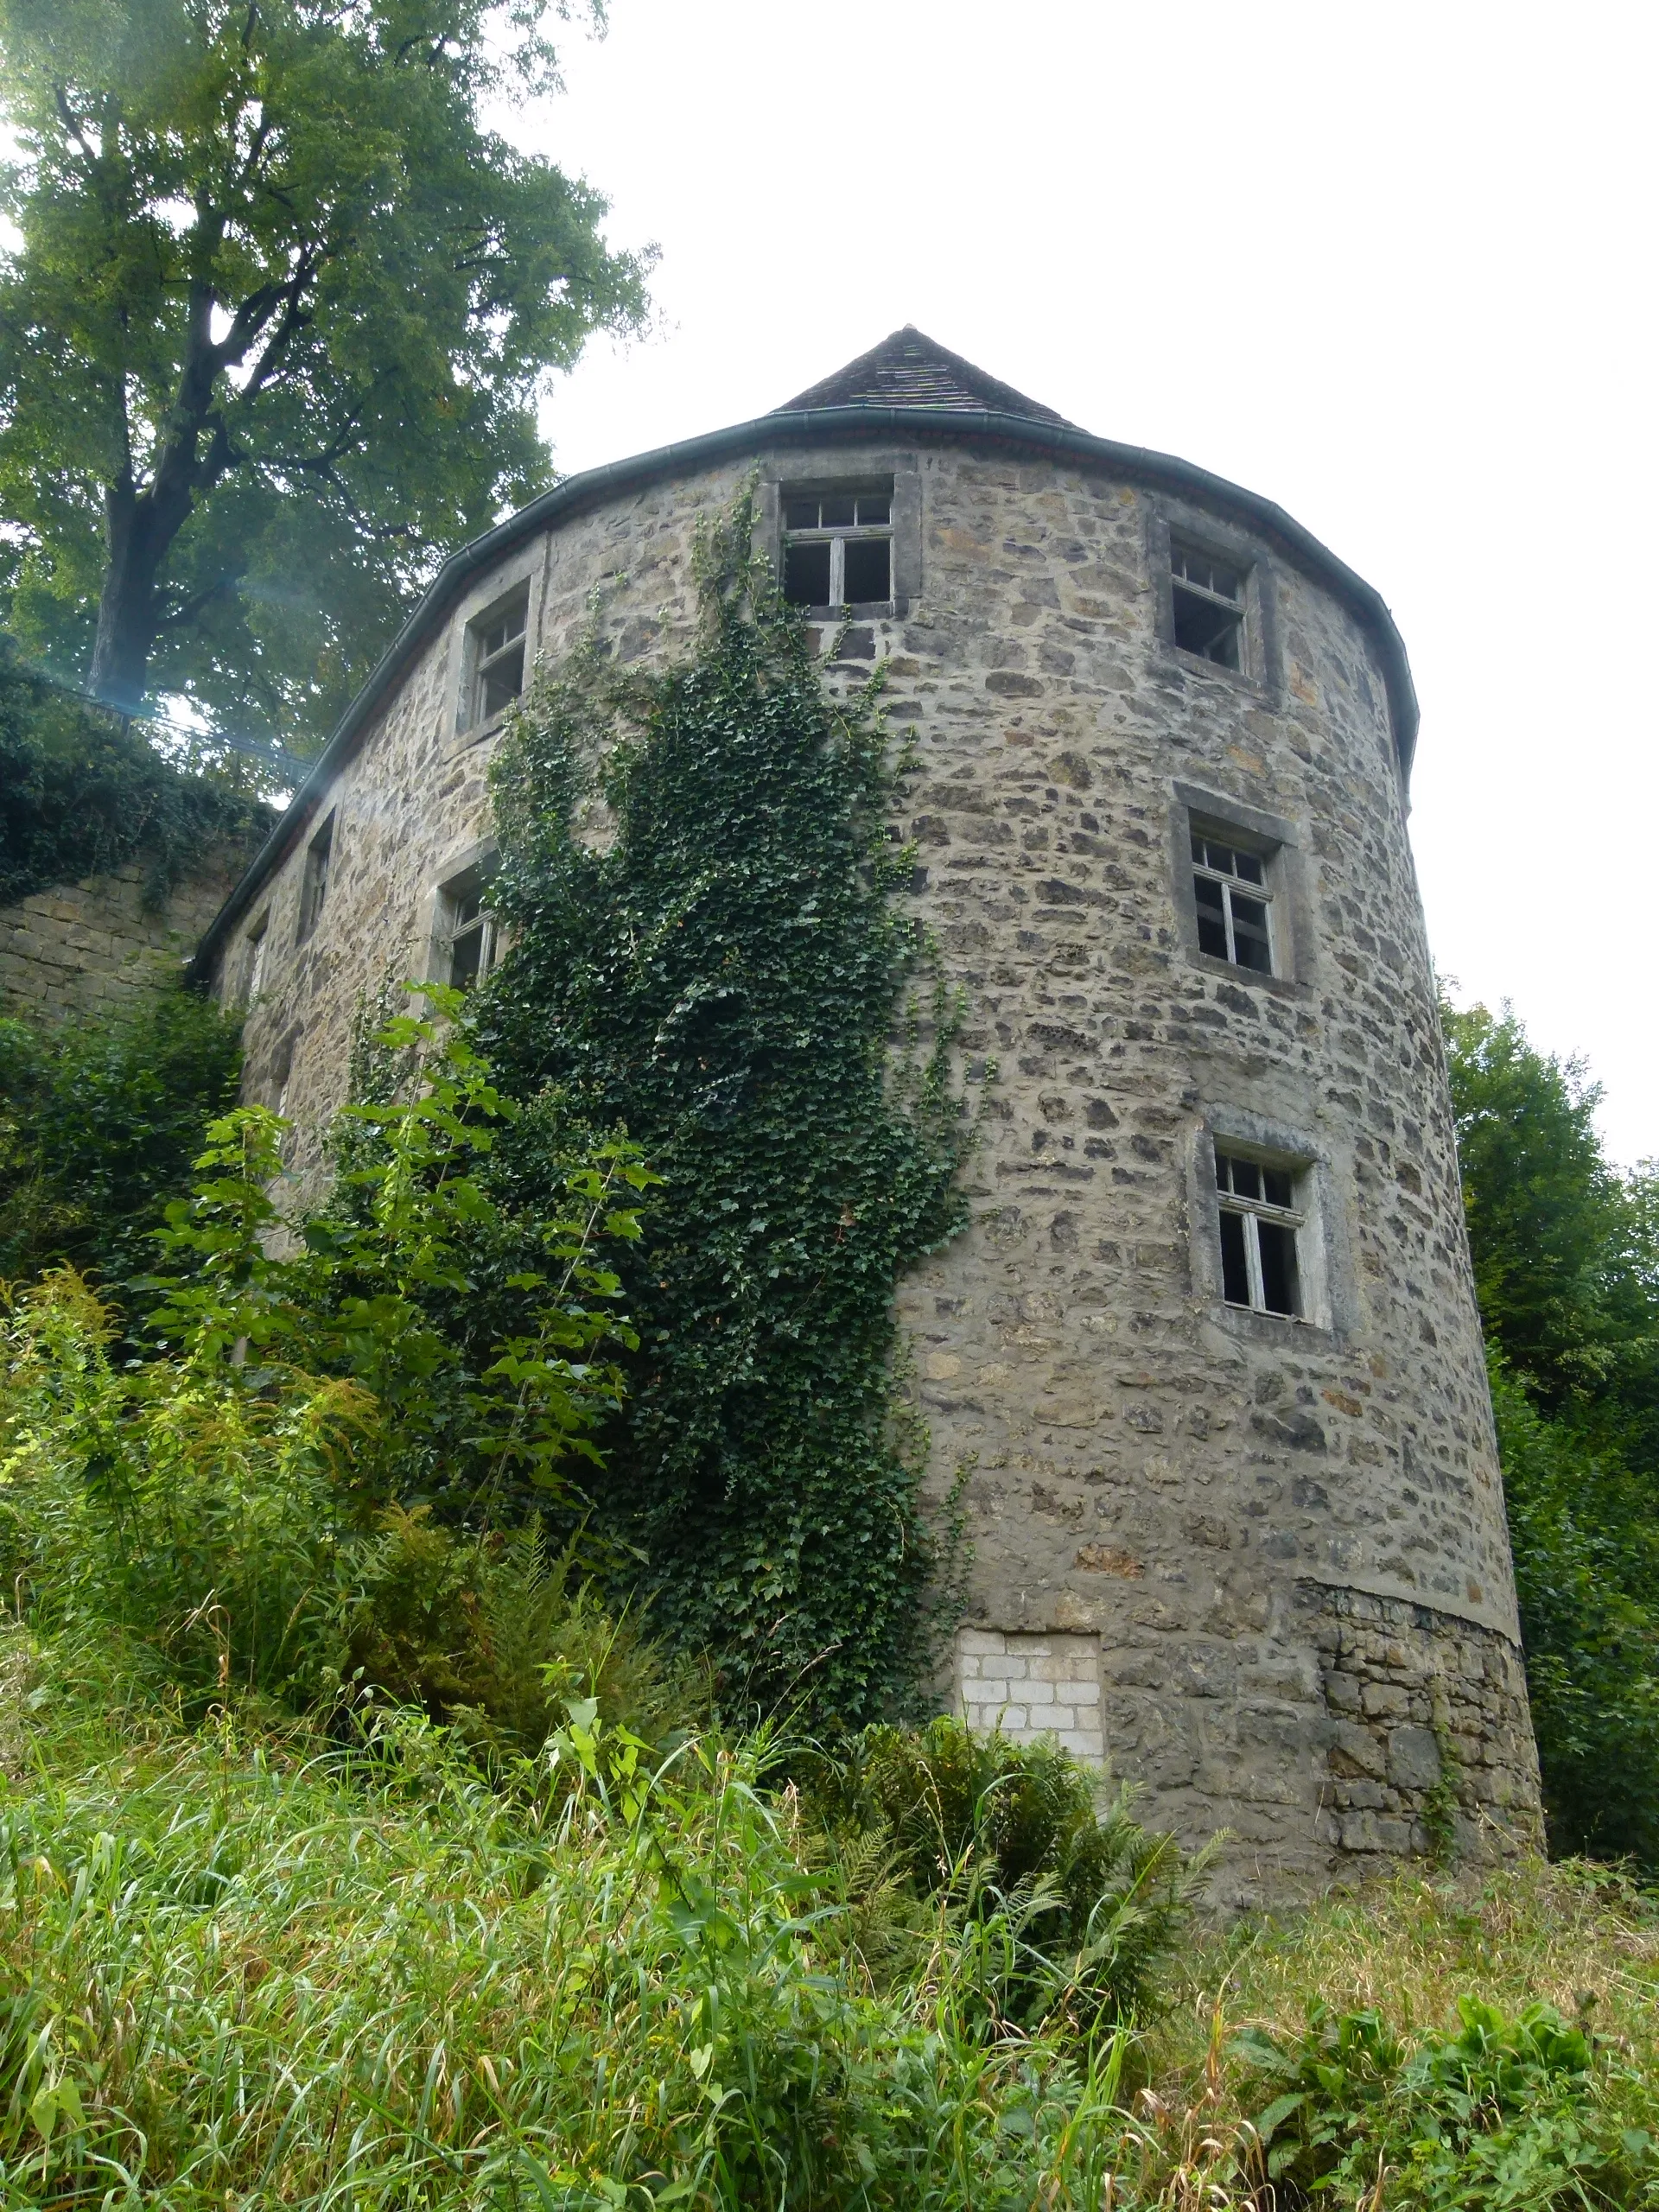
228	1503
1509	2111
85	793
1086	1907
733	978
100	1119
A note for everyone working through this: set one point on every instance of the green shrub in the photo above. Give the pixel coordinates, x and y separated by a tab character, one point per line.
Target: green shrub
100	1121
85	793
236	1502
1509	2111
1086	1907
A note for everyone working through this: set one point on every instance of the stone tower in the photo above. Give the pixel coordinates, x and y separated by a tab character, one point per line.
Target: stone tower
1208	1357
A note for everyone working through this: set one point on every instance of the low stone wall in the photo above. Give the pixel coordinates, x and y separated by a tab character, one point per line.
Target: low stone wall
84	945
1426	1713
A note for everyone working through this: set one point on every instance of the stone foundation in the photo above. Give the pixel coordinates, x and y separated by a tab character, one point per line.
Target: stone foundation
1418	1700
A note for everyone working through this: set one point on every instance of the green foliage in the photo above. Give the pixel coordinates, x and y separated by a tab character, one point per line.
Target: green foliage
84	795
729	980
100	1119
273	333
1567	1269
1089	1909
228	1501
1586	1540
1506	2111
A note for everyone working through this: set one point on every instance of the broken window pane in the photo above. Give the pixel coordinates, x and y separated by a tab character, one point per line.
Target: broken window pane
1235	1269
869	568
1276	1183
1213	916
1251	945
801	514
1203	626
1277	1245
806	573
503	680
837	511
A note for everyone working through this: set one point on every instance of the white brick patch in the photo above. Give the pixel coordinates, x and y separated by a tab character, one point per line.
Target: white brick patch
1032	1685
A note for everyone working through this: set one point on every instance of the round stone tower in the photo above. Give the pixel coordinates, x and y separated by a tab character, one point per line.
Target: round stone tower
1205	1368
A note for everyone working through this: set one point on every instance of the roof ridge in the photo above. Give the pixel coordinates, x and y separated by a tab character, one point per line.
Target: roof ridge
909	369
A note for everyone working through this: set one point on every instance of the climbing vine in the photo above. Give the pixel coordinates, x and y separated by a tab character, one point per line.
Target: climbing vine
731	973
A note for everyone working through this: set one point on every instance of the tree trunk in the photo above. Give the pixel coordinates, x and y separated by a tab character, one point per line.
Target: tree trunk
126	606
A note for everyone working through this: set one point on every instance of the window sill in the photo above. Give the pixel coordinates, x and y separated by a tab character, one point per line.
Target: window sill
479	731
873	610
1244	1322
1199	665
1248	979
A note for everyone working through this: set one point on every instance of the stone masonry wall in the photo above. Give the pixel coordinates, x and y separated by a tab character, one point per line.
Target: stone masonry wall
83	946
1147	1469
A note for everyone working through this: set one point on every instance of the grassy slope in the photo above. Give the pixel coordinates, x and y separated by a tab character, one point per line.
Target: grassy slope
236	1973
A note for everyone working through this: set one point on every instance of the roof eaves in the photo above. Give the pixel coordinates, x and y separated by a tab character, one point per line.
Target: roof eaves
1137	463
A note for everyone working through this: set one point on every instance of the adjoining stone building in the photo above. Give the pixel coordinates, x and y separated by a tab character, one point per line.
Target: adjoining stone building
1210	1347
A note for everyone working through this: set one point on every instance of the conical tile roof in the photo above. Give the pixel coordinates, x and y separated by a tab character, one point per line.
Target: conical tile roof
909	369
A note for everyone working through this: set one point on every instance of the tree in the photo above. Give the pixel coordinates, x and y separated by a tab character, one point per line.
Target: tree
272	337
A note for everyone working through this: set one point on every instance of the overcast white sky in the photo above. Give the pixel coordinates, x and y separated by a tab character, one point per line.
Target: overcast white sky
1392	267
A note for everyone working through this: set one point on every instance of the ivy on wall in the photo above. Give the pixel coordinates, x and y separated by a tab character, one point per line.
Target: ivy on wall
733	976
84	794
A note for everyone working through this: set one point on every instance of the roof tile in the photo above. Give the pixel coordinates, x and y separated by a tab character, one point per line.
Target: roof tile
909	369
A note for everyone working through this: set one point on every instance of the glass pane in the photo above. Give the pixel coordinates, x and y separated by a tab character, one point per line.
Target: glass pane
493	640
1247	1178
875	506
836	512
868	571
1213	925
1276	1183
503	681
1278	1247
1202	627
806	575
1251	933
1248	866
467	955
514	624
1197	850
466	911
801	514
1235	1274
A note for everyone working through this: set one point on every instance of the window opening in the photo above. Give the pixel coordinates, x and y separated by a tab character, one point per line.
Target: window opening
1209	606
470	927
314	887
838	548
499	670
1230	889
1260	1219
258	939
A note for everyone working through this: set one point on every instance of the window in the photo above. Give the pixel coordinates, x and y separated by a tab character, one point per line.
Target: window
1260	1220
838	548
314	887
466	926
258	938
1209	604
1229	890
498	656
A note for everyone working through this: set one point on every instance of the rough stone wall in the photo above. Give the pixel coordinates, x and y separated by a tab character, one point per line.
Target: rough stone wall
83	946
1147	1469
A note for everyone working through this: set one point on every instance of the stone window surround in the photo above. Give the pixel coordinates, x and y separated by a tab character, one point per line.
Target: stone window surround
525	572
318	866
1327	1300
258	940
431	935
1193	810
860	474
1263	672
